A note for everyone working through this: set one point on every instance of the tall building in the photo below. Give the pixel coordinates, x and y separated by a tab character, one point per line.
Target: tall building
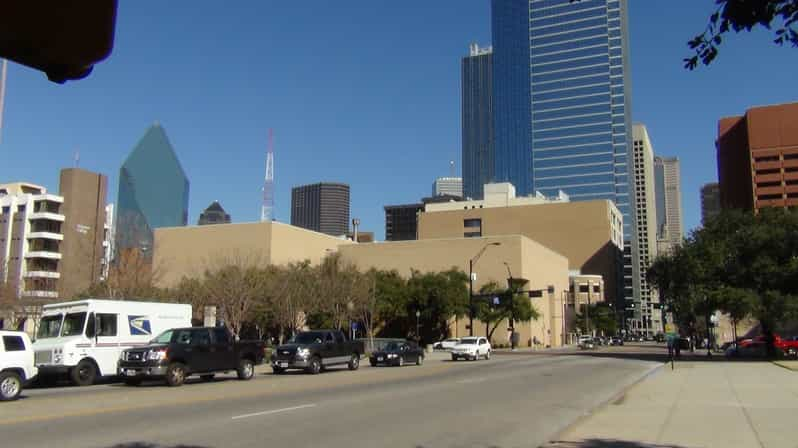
758	158
153	192
562	104
213	214
82	248
31	236
647	314
668	190
321	207
477	120
448	186
109	240
710	202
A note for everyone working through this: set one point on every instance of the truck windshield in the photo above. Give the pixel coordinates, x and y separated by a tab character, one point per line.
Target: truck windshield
73	324
163	338
309	337
49	327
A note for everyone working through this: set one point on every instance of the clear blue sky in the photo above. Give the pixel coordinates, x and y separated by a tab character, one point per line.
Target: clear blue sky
362	91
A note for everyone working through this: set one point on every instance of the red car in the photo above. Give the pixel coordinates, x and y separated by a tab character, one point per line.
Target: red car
788	346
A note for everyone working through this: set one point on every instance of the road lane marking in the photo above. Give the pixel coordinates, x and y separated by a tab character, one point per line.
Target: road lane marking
275	411
471	381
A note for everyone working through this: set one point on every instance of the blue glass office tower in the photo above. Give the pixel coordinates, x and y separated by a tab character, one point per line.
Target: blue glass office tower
562	115
477	120
153	192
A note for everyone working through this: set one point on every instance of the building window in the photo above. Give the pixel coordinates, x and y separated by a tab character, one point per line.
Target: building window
596	289
472	223
584	288
472	234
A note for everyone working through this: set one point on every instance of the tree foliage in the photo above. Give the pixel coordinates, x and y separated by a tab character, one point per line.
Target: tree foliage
744	15
740	263
599	317
520	308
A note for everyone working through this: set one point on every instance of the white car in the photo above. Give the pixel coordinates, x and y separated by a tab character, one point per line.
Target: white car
446	344
16	363
471	348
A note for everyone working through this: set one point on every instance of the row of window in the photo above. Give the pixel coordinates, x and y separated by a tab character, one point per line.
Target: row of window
570	27
541	136
565	71
601	50
569	14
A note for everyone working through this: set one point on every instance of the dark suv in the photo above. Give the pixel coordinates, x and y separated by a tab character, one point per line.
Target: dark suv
178	353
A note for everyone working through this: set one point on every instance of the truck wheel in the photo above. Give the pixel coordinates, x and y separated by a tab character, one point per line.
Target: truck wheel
454	358
487	355
175	374
420	360
84	373
10	386
401	361
207	378
278	370
132	381
354	362
314	366
246	370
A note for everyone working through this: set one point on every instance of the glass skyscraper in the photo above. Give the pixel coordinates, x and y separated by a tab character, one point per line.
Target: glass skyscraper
477	121
562	115
153	192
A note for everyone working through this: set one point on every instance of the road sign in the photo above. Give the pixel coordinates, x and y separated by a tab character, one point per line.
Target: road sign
496	301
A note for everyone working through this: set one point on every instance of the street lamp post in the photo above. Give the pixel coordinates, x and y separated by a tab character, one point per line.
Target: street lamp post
418	326
471	264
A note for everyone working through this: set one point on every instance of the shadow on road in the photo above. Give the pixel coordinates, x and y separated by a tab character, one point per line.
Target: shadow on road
607	443
152	445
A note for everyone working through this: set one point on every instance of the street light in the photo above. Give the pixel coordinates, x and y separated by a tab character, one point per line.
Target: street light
418	326
471	264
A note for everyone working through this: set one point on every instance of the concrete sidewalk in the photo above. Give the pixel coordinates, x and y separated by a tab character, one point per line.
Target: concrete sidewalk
699	404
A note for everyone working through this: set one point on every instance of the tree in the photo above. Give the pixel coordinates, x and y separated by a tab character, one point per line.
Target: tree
744	15
131	276
601	318
235	286
437	296
519	309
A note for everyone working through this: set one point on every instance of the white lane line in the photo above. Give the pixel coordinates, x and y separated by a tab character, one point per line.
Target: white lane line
471	381
275	411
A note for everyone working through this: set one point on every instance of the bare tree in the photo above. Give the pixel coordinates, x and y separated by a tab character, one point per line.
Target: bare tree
235	285
131	276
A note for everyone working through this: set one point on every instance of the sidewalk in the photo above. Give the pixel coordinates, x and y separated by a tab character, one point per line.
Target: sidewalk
699	404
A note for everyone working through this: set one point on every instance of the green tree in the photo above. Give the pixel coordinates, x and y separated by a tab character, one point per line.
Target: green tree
744	15
601	317
437	296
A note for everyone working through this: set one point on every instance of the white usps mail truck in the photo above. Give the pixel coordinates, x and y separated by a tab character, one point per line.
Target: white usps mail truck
84	338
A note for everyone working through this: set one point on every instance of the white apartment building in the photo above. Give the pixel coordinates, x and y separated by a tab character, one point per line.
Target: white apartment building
647	313
452	186
30	238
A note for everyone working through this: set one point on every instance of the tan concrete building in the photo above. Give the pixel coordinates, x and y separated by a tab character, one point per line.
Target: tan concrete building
546	271
84	230
188	251
588	233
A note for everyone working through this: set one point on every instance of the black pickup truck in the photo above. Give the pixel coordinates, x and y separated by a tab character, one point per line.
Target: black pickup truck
315	350
181	352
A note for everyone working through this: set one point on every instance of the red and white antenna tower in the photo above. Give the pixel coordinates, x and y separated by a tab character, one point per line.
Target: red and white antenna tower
267	209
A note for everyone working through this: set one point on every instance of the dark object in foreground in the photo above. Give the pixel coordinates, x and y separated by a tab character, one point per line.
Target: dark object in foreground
315	350
179	353
64	38
398	354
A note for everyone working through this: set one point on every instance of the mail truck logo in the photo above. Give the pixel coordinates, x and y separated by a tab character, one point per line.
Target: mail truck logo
139	325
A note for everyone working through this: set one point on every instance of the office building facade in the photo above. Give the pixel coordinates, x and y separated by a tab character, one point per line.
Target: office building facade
710	202
153	192
758	158
667	187
448	186
213	214
321	207
84	229
646	314
562	103
477	120
401	221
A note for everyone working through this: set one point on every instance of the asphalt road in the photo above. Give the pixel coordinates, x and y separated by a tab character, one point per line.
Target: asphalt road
508	401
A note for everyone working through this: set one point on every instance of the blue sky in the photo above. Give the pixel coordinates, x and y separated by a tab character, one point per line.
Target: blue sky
362	91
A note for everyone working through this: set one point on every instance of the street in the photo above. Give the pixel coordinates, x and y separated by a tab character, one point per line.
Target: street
510	400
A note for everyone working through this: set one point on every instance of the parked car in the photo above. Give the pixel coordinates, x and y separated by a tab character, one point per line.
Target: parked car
471	348
315	350
586	342
446	344
616	340
179	353
83	339
17	367
398	354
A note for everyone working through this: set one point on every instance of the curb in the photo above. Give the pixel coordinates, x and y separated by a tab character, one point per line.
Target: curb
783	366
653	370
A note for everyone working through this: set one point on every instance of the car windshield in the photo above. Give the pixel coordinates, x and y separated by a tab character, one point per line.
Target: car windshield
163	338
310	337
73	324
393	346
49	327
468	341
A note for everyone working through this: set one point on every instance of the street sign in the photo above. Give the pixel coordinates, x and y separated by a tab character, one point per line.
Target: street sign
496	301
670	328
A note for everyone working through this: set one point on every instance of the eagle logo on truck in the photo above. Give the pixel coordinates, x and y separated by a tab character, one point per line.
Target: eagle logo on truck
139	325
